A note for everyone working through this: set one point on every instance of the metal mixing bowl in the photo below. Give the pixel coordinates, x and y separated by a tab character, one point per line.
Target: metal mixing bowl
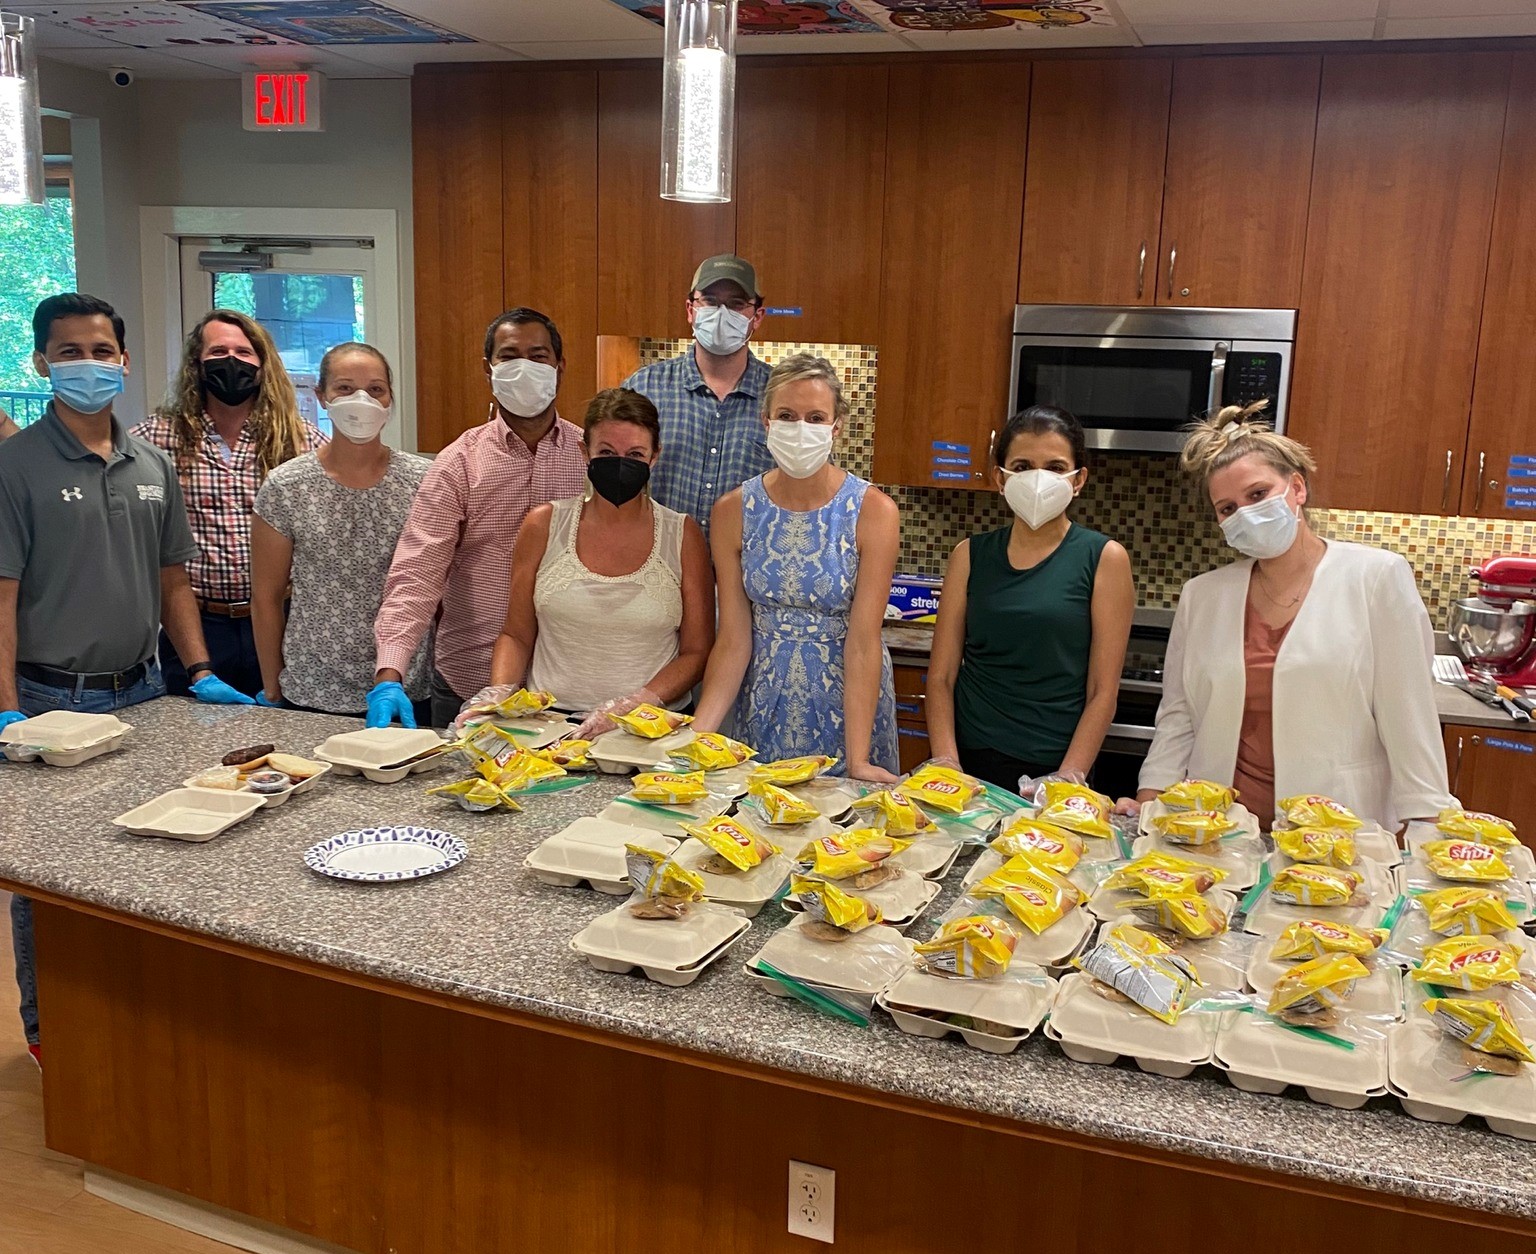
1490	633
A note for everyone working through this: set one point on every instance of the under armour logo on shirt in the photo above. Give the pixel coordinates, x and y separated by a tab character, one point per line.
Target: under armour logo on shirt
71	494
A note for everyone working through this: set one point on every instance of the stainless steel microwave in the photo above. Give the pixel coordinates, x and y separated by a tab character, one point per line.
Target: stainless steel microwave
1135	376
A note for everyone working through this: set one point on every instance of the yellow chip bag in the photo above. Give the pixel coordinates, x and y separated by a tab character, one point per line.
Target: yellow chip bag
782	808
1317	985
737	844
521	704
1484	1025
1198	794
519	771
1035	895
1464	860
1192	915
1077	808
1485	829
1157	980
1470	962
651	721
653	874
1050	846
846	854
669	788
571	754
791	770
1142	942
830	904
1194	827
942	788
1303	884
977	947
475	795
1159	874
710	751
1314	811
893	813
1468	911
1330	845
1316	938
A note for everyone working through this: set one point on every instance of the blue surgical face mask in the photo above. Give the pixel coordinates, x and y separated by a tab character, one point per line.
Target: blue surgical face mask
87	387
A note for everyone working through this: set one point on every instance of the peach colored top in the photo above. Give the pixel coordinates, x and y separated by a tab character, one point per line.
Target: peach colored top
1254	777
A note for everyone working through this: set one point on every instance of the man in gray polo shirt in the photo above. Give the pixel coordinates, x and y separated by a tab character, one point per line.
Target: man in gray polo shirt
93	537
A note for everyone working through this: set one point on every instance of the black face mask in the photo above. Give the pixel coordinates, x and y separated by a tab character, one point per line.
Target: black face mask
231	379
618	480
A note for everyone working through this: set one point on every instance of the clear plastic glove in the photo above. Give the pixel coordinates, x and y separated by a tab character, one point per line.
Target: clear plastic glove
1128	806
946	760
7	717
211	690
387	703
473	710
1030	788
601	719
261	699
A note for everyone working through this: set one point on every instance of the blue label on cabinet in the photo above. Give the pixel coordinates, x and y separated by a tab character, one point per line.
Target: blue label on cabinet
1521	472
784	311
1514	489
948	446
1522	459
908	707
1519	502
950	476
1516	746
917	733
951	461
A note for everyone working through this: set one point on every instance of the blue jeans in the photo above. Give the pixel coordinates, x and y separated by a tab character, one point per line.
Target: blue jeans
38	698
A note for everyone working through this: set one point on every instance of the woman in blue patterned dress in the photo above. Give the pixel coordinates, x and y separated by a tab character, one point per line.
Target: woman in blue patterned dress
804	557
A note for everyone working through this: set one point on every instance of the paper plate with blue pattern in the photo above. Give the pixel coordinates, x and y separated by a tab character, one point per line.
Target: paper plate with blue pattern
383	855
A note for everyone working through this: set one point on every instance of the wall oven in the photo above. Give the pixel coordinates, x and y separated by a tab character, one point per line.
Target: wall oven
1136	376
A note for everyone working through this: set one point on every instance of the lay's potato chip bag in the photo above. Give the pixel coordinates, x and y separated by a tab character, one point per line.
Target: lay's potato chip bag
780	807
789	771
1050	846
1035	895
893	813
1484	829
1468	911
475	795
520	704
570	754
829	904
1464	860
1317	938
1469	962
520	771
1159	981
1303	884
1190	915
710	751
736	843
1315	811
1077	808
653	874
669	788
1330	845
1318	985
1159	874
845	854
1198	794
941	788
652	722
1484	1025
1194	827
977	947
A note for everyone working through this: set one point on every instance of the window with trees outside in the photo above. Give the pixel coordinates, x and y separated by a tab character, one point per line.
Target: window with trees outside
38	244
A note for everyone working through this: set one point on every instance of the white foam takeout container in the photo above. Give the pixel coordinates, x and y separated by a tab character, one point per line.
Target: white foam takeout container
1217	961
1265	1057
666	819
901	899
195	814
1520	858
1421	1060
1269	917
591	851
621	752
861	965
268	799
932	856
1017	1001
832	795
1415	877
747	891
1085	875
1241	857
1413	933
1091	1029
63	737
1247	822
1107	904
1379	995
673	952
1053	948
375	752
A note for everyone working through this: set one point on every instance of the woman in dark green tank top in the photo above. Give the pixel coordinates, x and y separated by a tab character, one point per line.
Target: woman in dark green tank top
1033	620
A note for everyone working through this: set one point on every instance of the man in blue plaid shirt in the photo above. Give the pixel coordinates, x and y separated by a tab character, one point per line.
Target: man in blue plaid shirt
710	397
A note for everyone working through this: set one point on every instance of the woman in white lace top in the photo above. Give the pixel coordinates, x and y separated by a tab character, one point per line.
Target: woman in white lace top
613	596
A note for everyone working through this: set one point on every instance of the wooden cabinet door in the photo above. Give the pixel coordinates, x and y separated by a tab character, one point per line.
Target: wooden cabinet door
954	189
456	144
1098	136
549	232
647	247
1494	770
1392	290
1240	136
810	187
1499	480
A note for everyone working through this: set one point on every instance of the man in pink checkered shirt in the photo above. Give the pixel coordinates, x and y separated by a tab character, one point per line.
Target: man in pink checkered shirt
456	550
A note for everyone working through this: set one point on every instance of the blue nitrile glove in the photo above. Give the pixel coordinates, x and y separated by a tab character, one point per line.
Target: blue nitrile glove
211	690
7	717
261	700
387	703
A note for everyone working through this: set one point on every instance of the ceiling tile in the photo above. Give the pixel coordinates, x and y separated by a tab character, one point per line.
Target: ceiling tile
779	45
1459	27
144	62
401	58
1255	32
516	22
1463	8
1237	12
1019	38
593	50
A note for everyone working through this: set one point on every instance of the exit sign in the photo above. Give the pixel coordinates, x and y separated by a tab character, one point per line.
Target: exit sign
284	100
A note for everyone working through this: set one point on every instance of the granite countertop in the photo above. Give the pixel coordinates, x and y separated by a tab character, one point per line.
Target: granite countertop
489	932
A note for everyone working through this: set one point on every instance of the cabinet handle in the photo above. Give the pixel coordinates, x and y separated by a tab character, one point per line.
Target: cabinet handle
1482	462
1456	770
1141	271
1445	487
1173	260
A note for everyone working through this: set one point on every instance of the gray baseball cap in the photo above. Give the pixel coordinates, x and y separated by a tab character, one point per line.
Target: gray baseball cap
727	267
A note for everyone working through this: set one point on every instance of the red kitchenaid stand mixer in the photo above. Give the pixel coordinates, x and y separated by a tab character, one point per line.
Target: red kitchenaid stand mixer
1496	630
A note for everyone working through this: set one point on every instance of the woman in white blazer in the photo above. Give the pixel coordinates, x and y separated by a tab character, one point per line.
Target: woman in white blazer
1306	667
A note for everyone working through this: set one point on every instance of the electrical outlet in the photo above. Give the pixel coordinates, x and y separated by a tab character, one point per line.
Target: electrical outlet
812	1194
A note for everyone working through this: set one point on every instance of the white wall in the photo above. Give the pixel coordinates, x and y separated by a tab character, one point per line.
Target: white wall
180	142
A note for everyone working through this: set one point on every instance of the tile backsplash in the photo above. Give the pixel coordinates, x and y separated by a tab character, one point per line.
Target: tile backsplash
1141	501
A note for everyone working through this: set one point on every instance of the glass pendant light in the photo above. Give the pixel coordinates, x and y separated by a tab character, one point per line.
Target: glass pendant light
698	101
21	122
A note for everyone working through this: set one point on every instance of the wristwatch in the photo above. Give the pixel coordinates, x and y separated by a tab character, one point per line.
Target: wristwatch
204	665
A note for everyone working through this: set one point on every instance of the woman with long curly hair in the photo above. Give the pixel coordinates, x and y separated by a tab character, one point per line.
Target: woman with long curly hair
229	419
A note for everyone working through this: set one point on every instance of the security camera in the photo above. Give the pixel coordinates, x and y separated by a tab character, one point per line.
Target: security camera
120	75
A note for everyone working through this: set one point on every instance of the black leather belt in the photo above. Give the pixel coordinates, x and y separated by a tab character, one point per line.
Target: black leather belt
112	681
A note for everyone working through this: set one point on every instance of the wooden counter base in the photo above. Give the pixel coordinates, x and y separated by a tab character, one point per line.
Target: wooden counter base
385	1119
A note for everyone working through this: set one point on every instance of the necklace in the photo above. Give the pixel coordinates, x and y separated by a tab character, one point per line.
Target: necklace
1295	600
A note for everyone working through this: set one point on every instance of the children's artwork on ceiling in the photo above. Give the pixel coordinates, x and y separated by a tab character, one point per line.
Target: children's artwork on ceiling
781	17
336	22
985	15
149	25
